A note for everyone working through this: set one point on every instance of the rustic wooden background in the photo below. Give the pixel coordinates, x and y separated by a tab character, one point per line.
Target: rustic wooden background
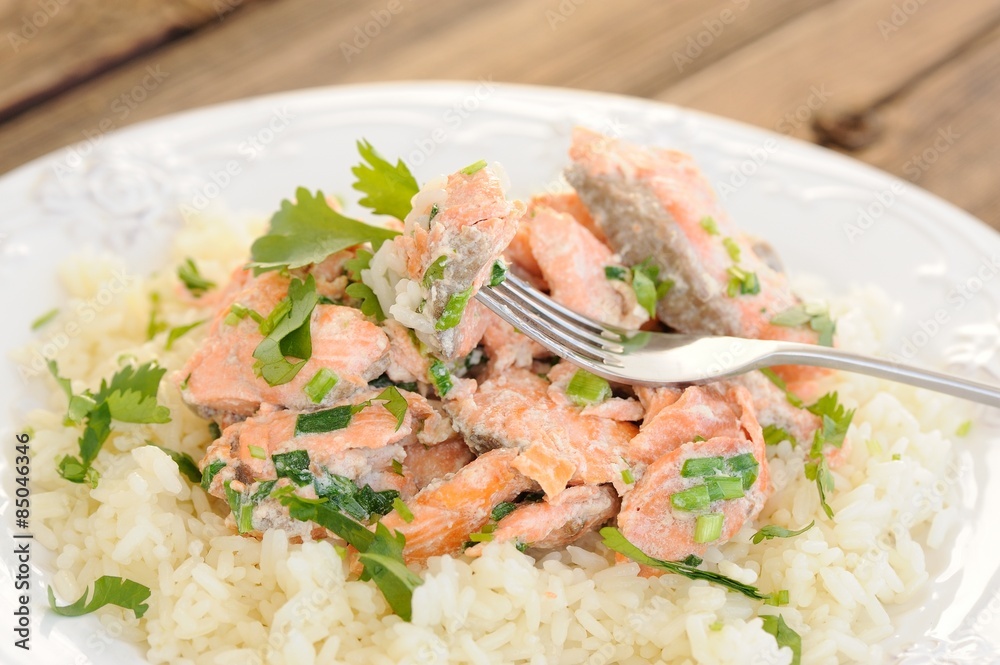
910	86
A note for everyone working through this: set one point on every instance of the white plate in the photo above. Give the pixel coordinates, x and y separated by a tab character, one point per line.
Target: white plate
125	192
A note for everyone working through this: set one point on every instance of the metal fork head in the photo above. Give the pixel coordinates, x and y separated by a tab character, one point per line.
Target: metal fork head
620	355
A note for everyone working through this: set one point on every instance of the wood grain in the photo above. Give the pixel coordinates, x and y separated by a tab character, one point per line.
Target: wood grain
943	133
54	44
843	57
626	46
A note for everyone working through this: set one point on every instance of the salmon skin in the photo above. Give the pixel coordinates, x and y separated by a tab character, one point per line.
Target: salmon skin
657	205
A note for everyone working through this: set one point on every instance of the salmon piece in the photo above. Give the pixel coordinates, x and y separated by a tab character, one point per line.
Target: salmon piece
649	520
448	510
519	253
558	445
570	204
425	464
700	411
550	524
406	363
218	381
363	452
613	408
652	204
572	262
505	347
773	408
464	221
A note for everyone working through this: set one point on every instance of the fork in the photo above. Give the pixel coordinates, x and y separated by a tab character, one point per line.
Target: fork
663	359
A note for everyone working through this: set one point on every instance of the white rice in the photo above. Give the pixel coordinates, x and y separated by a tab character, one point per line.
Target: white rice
219	598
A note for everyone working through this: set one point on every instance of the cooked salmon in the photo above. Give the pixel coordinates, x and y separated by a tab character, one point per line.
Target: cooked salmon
219	381
572	261
704	412
454	235
651	521
448	510
558	445
656	204
547	525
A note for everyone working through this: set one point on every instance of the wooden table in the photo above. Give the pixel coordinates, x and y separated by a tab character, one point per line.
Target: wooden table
910	86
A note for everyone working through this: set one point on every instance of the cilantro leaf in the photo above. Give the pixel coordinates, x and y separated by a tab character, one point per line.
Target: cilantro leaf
370	305
771	531
792	398
108	590
387	188
308	231
361	261
784	636
287	333
381	551
773	435
836	420
192	279
131	394
178	332
97	428
185	464
819	471
818	318
614	540
394	402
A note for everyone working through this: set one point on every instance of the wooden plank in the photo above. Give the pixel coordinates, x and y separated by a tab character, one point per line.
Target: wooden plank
626	47
842	58
54	44
943	134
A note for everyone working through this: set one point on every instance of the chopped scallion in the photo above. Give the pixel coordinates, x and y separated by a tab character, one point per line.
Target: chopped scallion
257	452
708	528
498	274
435	270
696	467
474	167
693	498
320	385
586	388
401	510
451	316
732	248
725	487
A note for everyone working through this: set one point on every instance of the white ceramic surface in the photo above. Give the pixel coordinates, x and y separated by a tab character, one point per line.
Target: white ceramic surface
127	192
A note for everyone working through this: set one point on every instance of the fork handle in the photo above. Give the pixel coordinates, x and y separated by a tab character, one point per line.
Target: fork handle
822	356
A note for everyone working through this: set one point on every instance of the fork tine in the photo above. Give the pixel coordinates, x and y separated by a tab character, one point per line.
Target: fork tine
553	340
528	291
556	315
553	322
